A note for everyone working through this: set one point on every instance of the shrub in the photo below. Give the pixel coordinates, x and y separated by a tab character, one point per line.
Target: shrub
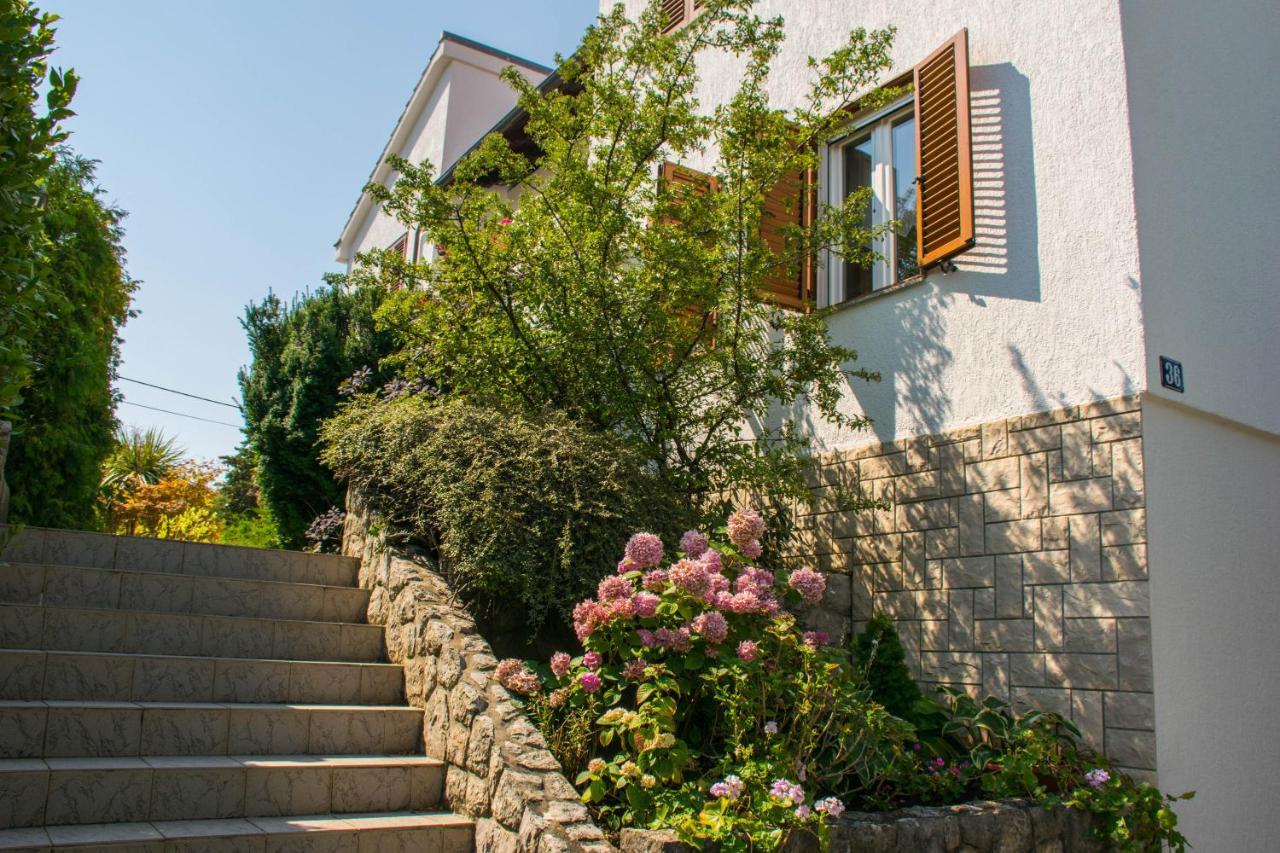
713	713
521	510
302	353
879	653
699	706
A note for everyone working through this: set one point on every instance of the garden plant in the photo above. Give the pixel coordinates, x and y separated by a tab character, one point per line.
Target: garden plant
699	704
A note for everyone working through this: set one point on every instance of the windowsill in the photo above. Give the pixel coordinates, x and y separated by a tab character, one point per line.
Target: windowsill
897	287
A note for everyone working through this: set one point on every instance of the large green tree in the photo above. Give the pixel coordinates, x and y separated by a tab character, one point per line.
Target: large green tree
632	302
302	352
29	134
67	420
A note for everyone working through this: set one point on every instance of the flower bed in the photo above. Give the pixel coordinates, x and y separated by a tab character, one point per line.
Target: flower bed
700	706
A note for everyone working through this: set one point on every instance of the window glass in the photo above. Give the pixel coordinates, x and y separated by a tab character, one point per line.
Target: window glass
904	190
858	163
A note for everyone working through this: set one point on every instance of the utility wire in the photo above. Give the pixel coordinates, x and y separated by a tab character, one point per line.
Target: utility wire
183	393
181	414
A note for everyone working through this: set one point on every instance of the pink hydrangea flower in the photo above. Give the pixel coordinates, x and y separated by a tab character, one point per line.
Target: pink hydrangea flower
752	549
507	668
586	618
645	604
755	580
745	525
625	565
634	669
813	639
771	728
614	587
747	650
716	584
803	812
1097	777
645	550
712	561
615	609
690	575
694	544
785	789
647	638
592	660
560	664
590	682
673	638
513	675
809	584
712	626
655	580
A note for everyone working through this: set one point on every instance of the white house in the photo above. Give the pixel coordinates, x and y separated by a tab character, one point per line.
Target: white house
1078	422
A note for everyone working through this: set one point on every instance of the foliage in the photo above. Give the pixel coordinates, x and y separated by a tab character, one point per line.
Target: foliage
139	457
878	651
631	303
325	531
301	353
244	521
713	713
29	135
68	415
520	509
179	505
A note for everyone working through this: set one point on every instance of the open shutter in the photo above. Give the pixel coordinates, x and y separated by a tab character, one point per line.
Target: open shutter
674	11
788	203
944	153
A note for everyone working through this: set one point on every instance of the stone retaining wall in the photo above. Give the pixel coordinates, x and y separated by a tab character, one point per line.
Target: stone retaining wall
1011	826
499	768
1012	557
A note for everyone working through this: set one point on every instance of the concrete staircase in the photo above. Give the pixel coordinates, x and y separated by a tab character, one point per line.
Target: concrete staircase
167	696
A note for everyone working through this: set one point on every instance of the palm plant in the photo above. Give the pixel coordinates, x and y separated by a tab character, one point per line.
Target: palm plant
140	456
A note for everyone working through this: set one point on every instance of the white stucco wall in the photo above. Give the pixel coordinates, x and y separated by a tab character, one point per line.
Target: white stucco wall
460	97
1046	311
1205	113
1214	552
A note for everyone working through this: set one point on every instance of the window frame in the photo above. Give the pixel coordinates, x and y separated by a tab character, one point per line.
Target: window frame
879	125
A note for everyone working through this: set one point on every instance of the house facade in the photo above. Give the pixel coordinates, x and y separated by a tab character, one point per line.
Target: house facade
1077	425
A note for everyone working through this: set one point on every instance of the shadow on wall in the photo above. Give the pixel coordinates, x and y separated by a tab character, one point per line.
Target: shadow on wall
910	351
1046	403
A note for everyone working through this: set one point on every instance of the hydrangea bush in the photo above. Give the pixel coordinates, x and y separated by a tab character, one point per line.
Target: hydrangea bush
700	705
712	712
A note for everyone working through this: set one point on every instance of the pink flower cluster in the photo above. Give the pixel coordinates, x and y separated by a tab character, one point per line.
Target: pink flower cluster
784	789
813	639
810	584
748	650
590	682
731	788
560	662
694	544
634	669
712	626
515	676
745	525
592	660
831	806
691	576
666	638
644	550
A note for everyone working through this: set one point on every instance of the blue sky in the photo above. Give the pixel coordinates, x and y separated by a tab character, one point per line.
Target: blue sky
237	135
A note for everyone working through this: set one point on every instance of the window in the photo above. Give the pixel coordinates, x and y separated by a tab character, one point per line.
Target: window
914	156
880	154
401	246
678	13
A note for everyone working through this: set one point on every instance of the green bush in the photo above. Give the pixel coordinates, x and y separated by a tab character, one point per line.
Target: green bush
878	651
302	352
521	510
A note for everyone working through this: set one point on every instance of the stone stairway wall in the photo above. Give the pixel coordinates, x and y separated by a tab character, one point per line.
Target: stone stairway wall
167	696
499	770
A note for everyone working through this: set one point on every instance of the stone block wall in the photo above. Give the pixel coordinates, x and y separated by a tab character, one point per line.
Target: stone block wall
1012	557
499	769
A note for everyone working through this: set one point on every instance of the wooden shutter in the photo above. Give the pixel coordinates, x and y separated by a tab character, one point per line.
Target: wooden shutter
401	246
674	11
788	203
944	153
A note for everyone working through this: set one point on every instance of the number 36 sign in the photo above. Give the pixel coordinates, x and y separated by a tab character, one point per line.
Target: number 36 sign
1171	374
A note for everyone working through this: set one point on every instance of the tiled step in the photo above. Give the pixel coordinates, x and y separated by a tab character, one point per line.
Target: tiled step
56	791
390	832
88	676
25	626
121	729
73	586
137	554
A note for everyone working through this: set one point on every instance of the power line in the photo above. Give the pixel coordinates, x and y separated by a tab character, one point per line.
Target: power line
183	393
181	414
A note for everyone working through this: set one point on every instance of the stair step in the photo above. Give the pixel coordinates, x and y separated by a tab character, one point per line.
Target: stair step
138	554
33	626
354	833
54	791
119	729
75	586
114	677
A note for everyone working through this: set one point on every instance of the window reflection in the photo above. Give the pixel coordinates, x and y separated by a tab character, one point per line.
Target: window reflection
904	189
858	163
